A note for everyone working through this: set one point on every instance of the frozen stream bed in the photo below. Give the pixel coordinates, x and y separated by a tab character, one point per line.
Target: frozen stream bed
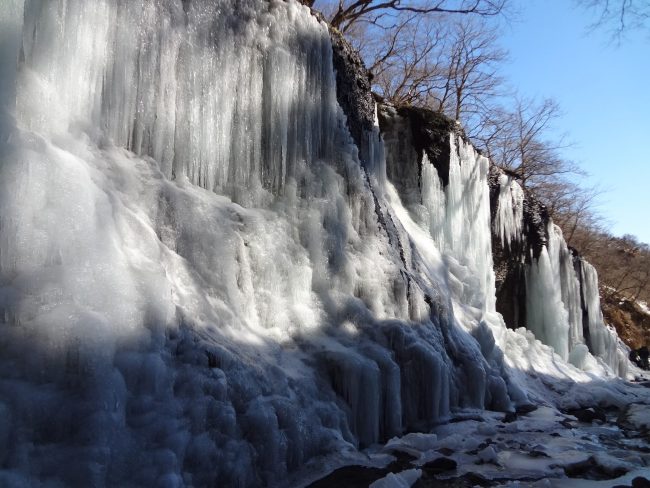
535	447
207	279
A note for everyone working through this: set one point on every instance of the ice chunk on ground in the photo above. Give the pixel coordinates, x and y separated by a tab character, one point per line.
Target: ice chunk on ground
405	479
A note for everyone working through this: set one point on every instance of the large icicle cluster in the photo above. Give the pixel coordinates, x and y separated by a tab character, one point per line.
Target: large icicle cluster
228	97
562	304
509	215
209	274
200	282
447	195
553	292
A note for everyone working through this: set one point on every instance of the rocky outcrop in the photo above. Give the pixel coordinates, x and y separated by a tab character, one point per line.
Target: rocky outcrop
422	131
353	88
641	357
632	323
511	259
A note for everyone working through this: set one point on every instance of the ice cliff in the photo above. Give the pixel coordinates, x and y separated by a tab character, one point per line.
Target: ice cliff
539	283
213	271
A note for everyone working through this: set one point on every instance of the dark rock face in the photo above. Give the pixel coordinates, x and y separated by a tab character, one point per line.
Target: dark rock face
641	357
536	218
640	482
589	415
403	163
353	89
416	131
351	476
592	470
439	465
430	134
510	281
510	261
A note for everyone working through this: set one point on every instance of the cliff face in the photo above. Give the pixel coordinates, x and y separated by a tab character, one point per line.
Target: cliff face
540	283
512	256
213	271
353	91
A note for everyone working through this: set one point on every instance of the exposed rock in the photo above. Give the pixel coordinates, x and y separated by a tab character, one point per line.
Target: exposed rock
632	323
465	481
445	451
509	417
590	469
510	261
640	482
589	415
641	357
634	417
351	477
538	454
488	455
525	408
353	89
566	423
439	465
425	131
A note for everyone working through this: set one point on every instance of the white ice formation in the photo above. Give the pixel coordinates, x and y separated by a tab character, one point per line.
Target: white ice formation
509	215
200	283
562	296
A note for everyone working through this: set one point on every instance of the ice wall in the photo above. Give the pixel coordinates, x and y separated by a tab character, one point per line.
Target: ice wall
204	278
212	270
541	283
10	34
449	198
553	298
198	86
601	339
562	304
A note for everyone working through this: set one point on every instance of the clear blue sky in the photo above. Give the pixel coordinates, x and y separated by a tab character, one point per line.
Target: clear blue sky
604	91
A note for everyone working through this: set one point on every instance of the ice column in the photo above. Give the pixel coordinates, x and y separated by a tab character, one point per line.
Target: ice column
554	309
11	15
603	340
564	272
545	313
467	217
509	218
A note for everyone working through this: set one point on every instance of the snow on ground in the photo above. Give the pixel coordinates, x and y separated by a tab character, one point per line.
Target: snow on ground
541	448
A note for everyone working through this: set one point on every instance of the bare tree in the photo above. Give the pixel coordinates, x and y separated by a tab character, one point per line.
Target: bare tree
471	83
348	13
449	65
620	15
519	140
574	208
407	61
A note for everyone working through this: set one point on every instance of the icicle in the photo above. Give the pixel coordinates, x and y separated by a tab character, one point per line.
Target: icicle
434	201
565	275
196	88
603	340
546	315
509	218
467	219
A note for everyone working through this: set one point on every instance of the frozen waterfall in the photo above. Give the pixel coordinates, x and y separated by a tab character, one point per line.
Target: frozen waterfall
562	296
509	215
205	281
195	85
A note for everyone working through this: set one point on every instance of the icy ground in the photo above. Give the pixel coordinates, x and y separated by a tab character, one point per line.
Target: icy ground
543	447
